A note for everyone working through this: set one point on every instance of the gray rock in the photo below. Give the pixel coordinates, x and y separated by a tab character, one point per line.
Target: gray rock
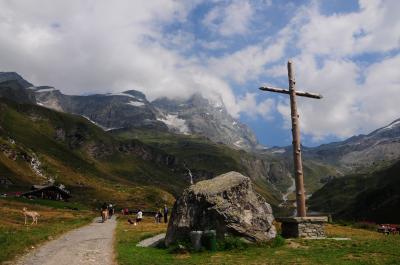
152	241
227	204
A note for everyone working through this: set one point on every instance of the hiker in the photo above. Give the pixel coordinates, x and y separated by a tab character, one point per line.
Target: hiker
110	210
139	216
165	213
158	216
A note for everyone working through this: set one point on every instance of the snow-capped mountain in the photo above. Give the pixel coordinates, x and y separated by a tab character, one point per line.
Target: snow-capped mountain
201	116
196	115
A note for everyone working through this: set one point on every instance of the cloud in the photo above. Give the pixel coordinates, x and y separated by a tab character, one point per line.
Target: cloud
153	46
231	19
375	28
358	97
249	105
250	62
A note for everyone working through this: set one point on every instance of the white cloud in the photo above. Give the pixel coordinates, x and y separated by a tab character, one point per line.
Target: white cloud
94	46
248	63
231	19
376	28
324	64
249	105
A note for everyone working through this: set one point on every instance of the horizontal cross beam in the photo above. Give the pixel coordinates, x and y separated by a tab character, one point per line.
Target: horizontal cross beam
284	91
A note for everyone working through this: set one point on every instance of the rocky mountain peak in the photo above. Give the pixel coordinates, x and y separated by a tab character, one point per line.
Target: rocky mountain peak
13	76
207	117
135	93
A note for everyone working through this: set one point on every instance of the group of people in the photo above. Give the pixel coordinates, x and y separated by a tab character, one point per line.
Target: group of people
139	216
107	211
159	215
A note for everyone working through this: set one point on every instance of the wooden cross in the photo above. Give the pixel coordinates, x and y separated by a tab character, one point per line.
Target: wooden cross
298	167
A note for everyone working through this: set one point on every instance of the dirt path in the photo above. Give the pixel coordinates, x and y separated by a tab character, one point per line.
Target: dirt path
91	244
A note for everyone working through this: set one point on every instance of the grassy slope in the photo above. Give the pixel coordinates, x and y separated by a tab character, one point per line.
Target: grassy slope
313	172
16	238
369	196
366	247
114	176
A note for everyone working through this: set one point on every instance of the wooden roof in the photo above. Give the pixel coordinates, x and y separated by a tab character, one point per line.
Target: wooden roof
37	189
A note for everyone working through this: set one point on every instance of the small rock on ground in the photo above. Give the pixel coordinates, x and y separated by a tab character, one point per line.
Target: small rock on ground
152	241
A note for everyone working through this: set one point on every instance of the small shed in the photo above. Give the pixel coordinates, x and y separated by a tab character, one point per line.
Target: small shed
51	192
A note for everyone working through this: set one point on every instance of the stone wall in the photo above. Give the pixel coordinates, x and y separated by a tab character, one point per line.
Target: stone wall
304	227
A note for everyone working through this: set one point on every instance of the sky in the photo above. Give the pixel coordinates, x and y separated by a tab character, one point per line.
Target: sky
348	51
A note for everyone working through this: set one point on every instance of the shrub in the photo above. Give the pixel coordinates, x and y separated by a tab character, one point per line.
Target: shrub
278	241
231	242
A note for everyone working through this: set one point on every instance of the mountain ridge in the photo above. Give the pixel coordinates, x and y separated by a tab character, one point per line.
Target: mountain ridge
355	153
194	115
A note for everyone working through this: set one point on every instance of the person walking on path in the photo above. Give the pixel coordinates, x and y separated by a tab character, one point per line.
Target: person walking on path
110	210
165	213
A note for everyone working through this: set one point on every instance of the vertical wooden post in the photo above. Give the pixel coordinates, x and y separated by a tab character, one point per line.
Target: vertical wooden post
298	167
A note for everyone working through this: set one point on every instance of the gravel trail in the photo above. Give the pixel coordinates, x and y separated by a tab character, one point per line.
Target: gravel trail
91	244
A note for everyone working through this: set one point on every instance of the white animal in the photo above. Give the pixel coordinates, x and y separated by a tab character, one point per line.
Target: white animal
32	214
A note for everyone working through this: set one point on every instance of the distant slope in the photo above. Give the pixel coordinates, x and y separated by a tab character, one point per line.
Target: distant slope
363	150
374	196
358	153
206	159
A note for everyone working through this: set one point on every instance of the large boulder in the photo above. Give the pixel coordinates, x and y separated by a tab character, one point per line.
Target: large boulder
227	204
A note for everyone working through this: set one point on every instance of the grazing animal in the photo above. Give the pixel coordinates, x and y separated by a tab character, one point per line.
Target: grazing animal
32	214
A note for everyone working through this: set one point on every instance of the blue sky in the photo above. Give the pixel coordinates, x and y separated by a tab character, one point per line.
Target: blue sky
346	50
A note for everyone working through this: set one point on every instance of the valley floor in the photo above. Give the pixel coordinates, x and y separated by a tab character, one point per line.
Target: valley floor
365	247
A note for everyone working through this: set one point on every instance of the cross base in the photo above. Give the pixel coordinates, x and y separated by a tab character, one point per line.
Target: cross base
303	227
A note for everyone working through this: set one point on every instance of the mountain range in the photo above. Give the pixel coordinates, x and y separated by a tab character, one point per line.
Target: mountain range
355	153
125	138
